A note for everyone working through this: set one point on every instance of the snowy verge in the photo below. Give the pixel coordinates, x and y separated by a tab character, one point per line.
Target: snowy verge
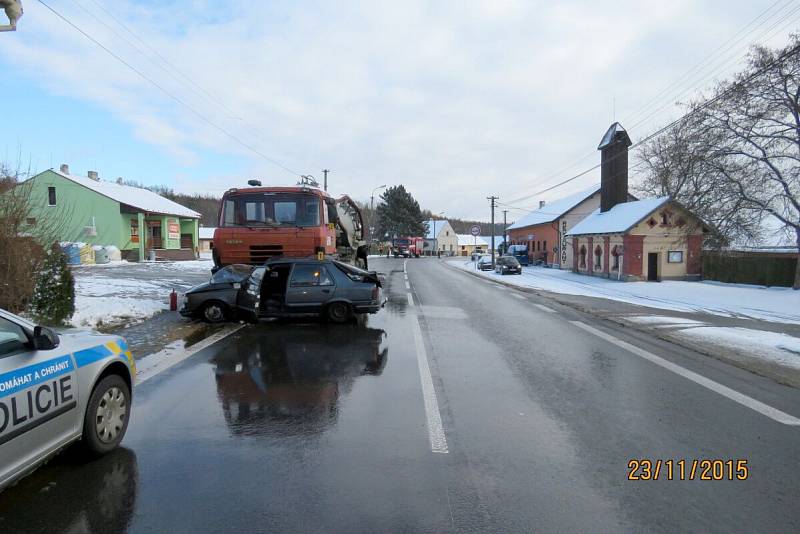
775	304
774	347
98	311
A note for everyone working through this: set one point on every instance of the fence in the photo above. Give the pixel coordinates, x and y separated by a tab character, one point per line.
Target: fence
751	267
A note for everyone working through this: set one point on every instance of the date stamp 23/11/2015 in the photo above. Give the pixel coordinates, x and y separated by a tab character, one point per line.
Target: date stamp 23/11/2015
692	469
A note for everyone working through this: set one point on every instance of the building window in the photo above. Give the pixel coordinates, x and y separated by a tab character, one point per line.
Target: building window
544	246
598	257
447	233
615	254
583	256
31	221
675	256
51	196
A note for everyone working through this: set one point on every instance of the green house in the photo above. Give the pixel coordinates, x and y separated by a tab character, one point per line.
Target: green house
92	211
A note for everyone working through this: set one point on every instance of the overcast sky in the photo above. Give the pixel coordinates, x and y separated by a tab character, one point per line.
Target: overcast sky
456	100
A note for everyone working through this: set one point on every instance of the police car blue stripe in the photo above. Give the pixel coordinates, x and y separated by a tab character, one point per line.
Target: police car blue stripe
25	377
88	356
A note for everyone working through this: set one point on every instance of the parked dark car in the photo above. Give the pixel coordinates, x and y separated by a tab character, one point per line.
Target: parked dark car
215	301
308	287
507	265
485	263
287	287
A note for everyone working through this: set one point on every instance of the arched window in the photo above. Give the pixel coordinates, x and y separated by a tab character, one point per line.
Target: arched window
598	257
583	256
615	254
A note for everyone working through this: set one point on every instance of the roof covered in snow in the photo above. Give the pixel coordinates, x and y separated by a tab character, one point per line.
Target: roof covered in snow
206	233
554	210
469	239
135	197
615	131
440	223
618	219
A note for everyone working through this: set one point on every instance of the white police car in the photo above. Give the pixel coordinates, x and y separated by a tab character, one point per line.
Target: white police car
56	389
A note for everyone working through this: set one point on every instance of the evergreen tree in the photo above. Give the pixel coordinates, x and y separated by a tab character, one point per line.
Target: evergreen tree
53	301
399	214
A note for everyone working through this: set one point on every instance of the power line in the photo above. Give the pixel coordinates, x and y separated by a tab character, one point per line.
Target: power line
742	33
165	65
169	94
705	104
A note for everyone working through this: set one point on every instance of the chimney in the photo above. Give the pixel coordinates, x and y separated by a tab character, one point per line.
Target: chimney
93	175
541	204
614	167
64	168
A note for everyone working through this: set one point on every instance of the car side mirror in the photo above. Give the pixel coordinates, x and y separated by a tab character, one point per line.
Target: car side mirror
44	338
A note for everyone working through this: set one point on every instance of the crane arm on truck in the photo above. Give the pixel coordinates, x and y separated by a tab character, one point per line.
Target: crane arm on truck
350	243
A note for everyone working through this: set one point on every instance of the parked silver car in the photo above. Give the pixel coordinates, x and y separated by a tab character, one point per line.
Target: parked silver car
56	389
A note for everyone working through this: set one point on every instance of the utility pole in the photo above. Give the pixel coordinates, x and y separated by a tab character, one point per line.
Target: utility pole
505	233
492	199
325	181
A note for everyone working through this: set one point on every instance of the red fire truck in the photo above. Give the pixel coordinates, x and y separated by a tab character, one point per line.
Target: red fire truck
258	223
408	247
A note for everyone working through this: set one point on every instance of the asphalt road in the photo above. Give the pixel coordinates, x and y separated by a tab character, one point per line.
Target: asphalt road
464	406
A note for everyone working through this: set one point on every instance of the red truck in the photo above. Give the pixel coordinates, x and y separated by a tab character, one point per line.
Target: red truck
408	247
258	223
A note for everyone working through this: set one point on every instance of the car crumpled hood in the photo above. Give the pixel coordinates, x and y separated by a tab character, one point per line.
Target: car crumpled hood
208	286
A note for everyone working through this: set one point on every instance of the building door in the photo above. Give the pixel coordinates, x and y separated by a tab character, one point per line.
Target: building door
652	267
154	234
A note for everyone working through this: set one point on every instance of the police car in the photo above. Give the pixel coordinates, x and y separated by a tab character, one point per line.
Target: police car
56	389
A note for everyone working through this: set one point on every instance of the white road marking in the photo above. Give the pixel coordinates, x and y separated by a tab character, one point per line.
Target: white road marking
405	265
410	299
158	362
545	308
435	428
517	295
408	286
716	387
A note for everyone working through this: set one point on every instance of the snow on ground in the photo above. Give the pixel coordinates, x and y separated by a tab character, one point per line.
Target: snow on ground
661	321
728	300
123	292
773	346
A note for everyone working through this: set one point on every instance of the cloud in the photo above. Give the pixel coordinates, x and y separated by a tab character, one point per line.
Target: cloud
457	100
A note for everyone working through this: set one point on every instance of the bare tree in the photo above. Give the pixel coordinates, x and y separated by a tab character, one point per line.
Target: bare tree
675	164
24	237
735	157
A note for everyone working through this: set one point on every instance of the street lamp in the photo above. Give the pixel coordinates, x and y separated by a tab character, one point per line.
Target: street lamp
372	212
435	236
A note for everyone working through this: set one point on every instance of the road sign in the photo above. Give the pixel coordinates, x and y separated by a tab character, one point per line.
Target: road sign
475	230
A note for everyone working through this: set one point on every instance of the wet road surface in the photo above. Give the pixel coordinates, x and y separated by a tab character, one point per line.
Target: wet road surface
316	427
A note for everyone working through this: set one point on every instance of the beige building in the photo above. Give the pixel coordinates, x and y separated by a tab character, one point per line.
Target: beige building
206	235
441	237
652	239
469	244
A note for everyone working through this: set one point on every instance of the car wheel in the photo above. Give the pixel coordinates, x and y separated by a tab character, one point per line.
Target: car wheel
214	312
338	312
107	414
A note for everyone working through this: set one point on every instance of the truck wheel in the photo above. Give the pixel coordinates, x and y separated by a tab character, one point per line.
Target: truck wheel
214	312
338	312
107	414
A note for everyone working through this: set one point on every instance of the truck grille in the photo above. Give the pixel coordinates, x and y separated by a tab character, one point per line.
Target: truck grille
261	253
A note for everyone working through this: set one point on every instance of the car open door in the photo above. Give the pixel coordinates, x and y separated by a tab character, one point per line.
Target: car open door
310	287
249	297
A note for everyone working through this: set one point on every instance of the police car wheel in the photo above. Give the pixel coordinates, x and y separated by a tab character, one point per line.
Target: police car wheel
214	312
107	414
338	312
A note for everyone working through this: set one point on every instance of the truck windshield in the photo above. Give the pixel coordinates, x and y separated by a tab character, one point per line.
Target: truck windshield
401	242
270	209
